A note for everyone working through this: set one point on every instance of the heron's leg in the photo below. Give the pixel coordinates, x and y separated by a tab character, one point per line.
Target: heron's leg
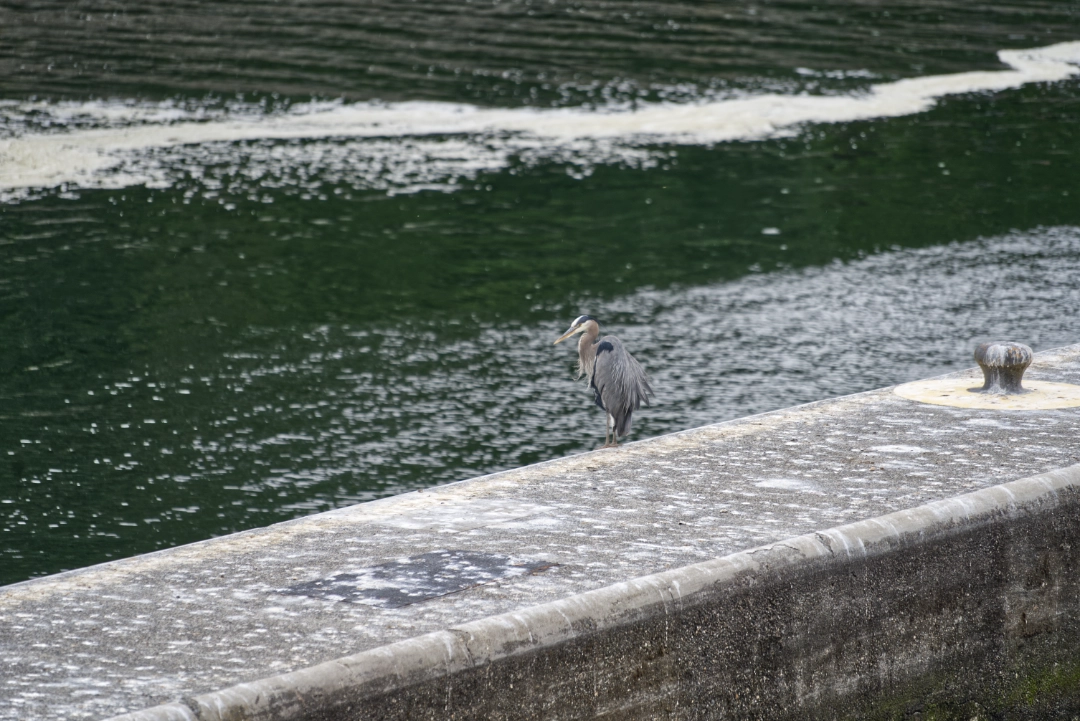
610	441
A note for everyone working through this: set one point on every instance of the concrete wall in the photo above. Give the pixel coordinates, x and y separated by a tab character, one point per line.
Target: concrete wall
963	608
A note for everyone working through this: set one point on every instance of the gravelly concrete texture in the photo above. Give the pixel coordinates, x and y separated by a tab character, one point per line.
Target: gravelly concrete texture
964	608
157	628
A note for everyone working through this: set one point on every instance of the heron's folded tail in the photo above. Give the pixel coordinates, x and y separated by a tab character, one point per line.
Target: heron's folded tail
622	425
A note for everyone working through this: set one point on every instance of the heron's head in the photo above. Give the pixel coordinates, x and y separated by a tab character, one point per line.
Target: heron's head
579	325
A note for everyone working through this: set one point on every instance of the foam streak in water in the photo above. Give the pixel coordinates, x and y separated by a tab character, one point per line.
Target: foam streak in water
134	144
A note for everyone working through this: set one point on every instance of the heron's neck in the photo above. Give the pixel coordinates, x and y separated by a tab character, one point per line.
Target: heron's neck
586	348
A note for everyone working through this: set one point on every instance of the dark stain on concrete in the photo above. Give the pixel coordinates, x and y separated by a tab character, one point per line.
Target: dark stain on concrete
417	578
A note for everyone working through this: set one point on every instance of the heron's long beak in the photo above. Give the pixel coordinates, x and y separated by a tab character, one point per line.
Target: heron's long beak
566	335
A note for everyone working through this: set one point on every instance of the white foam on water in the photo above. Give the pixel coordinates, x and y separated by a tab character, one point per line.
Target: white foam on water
389	145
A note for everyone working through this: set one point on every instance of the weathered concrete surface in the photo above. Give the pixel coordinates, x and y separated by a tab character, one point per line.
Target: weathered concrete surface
961	607
189	621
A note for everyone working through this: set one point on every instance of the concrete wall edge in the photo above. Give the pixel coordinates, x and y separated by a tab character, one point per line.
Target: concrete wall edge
401	664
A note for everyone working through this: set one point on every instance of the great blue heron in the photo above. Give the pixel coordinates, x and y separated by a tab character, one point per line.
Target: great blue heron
618	382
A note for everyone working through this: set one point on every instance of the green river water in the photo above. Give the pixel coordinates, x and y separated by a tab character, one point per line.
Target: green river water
260	260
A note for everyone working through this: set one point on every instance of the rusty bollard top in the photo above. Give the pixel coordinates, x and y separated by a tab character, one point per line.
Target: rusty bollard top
1003	365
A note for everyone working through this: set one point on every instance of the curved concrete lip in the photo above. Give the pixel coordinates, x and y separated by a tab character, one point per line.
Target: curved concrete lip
298	694
957	392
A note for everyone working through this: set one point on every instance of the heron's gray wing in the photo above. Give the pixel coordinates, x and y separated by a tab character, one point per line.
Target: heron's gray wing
619	382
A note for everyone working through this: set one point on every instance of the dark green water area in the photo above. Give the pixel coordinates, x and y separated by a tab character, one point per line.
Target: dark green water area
220	334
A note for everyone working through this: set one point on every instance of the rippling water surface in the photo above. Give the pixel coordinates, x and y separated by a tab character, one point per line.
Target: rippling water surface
262	260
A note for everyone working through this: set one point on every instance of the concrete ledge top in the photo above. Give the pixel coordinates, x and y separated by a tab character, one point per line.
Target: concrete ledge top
477	643
189	621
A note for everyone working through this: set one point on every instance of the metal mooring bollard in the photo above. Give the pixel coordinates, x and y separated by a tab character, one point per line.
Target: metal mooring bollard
1003	366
